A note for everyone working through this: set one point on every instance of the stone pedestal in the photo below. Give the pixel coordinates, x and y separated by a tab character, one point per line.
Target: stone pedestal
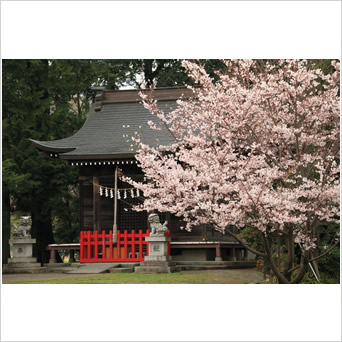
22	261
157	261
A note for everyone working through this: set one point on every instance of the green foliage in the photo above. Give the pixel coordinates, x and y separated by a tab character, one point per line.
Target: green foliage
330	264
323	64
35	106
309	278
168	72
66	223
252	238
163	72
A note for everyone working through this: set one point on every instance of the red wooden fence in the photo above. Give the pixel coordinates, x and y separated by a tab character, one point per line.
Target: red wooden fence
130	247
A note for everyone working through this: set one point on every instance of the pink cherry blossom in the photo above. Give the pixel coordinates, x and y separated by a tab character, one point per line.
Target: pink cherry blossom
258	148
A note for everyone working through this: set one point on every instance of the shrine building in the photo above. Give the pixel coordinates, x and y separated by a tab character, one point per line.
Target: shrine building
104	143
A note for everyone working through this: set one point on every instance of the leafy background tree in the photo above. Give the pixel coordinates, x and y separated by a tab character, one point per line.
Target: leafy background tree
34	107
42	100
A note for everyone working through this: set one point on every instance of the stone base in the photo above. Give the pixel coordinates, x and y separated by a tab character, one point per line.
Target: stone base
22	246
157	258
121	270
23	264
29	267
156	267
60	264
22	260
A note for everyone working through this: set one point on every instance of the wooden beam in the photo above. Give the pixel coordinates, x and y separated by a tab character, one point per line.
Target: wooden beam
233	254
115	220
193	246
168	219
218	256
96	204
218	251
81	185
204	231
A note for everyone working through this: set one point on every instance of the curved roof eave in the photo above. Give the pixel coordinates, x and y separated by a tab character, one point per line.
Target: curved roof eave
48	146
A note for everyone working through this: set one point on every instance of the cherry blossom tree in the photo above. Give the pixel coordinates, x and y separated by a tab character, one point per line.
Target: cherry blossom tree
258	148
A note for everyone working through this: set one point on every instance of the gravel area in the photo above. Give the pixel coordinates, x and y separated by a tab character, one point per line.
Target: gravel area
38	276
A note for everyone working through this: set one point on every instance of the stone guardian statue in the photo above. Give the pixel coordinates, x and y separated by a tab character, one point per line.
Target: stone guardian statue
157	229
24	227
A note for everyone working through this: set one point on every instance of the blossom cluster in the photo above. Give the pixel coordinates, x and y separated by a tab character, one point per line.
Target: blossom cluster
258	147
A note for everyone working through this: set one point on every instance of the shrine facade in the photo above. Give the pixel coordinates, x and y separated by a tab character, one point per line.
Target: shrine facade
104	143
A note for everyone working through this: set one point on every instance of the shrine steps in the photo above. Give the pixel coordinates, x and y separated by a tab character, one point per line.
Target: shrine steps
97	268
92	268
121	270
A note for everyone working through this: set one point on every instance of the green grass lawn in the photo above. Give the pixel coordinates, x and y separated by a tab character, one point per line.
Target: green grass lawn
197	277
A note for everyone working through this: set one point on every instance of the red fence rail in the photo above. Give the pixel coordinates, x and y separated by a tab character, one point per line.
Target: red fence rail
99	247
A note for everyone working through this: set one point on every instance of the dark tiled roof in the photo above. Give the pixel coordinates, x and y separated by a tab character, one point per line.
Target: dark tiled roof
102	135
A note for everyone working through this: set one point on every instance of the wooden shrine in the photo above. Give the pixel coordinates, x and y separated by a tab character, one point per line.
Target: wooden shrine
104	144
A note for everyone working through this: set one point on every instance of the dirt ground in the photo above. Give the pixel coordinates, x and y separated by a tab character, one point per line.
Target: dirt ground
39	276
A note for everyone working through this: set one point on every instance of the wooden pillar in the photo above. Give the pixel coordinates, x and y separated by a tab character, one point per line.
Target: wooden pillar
238	254
204	232
52	256
218	253
233	257
81	185
245	254
168	219
72	256
96	204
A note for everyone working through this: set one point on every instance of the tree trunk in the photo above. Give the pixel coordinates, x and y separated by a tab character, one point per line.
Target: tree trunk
314	263
315	252
6	223
281	278
148	72
289	240
42	232
302	270
79	109
271	277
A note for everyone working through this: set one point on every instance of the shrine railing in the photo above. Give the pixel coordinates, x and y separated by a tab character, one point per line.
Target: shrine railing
99	247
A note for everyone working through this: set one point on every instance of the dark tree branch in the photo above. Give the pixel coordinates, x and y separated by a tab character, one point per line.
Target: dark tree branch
319	256
244	244
282	279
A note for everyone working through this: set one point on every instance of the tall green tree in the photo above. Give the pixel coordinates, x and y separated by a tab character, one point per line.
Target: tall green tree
169	72
35	183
